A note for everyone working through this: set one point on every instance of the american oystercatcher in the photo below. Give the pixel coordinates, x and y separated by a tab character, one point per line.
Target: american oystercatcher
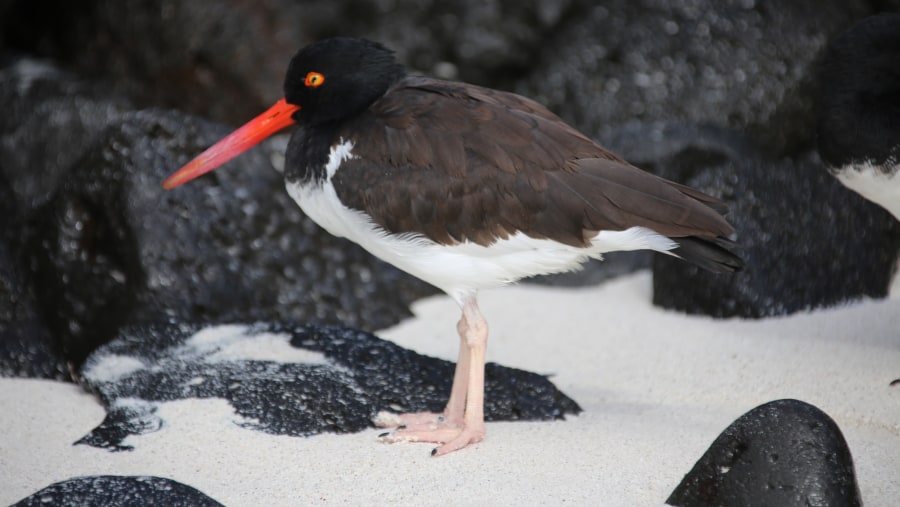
859	109
464	187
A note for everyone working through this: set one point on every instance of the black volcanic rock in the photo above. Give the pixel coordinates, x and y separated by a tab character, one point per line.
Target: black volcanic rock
27	349
741	64
225	62
781	454
827	248
738	63
806	240
288	379
50	117
118	491
112	247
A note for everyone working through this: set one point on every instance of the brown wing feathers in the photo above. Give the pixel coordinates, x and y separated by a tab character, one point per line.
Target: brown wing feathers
476	164
641	198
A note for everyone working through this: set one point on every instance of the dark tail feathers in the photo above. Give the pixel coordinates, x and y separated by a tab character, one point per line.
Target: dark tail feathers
713	254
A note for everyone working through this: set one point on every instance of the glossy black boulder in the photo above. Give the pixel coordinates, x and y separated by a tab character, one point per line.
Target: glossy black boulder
781	454
118	491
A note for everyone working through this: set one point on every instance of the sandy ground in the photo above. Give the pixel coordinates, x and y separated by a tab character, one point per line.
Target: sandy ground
657	387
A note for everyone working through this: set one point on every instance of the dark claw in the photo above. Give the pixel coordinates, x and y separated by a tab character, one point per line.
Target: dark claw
434	451
401	427
386	433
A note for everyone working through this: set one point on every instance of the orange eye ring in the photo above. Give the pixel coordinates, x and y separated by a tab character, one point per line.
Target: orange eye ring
314	80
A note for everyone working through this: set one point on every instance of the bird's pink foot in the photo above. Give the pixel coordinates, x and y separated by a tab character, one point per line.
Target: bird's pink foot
462	422
429	427
467	435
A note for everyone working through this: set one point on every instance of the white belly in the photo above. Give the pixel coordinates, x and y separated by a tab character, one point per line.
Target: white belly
873	184
462	269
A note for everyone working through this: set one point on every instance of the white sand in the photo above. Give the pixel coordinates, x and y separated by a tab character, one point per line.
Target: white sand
657	387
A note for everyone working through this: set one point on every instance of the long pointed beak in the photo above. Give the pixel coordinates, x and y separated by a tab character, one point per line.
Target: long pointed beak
252	133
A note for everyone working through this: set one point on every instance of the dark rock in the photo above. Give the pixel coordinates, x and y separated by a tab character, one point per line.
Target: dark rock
193	55
49	119
781	454
112	247
227	62
742	64
340	380
27	349
806	241
118	491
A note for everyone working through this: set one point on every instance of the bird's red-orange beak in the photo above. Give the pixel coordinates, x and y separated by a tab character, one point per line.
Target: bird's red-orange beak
252	133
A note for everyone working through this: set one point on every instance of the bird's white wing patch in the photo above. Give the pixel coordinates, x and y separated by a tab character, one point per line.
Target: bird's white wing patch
874	184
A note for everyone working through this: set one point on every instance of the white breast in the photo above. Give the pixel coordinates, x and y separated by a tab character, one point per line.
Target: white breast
461	269
875	185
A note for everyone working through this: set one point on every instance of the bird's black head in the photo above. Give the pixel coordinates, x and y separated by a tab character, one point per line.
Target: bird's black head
326	82
337	78
858	103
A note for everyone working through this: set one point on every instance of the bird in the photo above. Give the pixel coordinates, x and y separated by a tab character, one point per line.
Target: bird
464	187
858	109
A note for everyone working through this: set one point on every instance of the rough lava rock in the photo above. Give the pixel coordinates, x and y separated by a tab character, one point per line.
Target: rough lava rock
118	491
806	240
781	454
231	247
742	64
27	348
286	379
737	63
50	117
831	248
225	62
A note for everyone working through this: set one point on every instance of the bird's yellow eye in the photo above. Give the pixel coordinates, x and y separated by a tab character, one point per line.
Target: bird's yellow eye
314	80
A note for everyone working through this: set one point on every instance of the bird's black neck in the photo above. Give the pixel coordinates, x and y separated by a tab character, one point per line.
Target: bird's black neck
858	103
307	153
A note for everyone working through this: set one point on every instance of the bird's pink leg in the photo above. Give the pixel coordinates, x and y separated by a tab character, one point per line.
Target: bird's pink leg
454	410
462	422
456	405
473	331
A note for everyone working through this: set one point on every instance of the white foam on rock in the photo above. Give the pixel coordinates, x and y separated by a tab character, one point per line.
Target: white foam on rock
233	342
112	367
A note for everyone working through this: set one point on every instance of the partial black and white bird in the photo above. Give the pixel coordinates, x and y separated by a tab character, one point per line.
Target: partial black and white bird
464	187
858	109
